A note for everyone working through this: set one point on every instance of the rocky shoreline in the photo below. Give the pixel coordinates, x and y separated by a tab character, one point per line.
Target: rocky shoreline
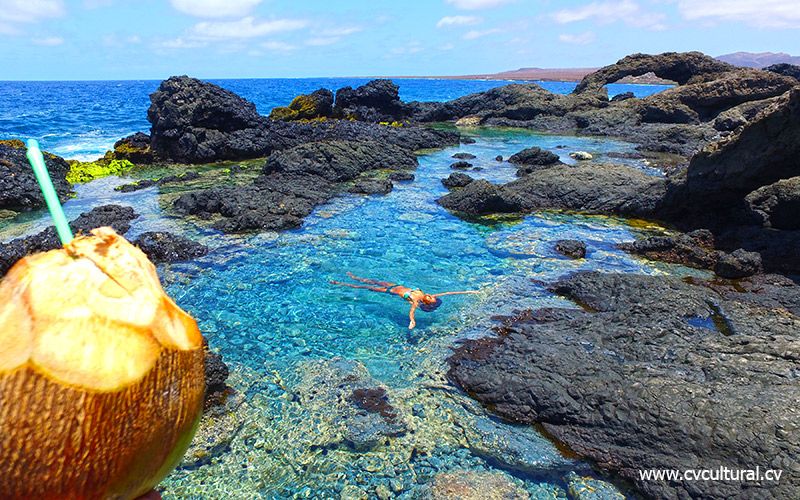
644	372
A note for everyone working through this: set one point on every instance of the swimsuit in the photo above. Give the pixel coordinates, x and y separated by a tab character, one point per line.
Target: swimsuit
406	295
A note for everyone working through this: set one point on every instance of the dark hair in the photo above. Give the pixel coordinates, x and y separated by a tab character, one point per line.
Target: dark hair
430	307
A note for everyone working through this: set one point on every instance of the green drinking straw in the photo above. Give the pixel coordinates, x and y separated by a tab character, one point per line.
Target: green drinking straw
50	196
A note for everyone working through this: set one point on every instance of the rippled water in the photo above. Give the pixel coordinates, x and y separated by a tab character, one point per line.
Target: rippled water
83	119
265	302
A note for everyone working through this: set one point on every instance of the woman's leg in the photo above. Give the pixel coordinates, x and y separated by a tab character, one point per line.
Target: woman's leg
371	281
365	287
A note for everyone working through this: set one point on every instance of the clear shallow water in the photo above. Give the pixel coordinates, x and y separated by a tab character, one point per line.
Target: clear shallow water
82	120
265	302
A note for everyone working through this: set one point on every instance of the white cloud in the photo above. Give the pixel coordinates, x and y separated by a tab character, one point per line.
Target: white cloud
322	41
331	35
458	21
580	39
215	8
412	48
626	11
182	43
477	4
275	46
50	41
247	27
15	12
760	13
341	31
475	34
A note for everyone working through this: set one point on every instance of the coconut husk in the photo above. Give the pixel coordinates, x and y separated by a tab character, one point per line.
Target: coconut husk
101	373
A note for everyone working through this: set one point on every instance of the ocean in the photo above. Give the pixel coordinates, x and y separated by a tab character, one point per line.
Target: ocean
82	120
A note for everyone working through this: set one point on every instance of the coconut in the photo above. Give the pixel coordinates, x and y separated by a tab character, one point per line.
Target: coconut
101	373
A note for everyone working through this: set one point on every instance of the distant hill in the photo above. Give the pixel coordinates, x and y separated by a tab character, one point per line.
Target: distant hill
758	60
747	59
553	74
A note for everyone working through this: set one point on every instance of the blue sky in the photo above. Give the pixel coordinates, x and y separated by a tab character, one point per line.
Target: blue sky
152	39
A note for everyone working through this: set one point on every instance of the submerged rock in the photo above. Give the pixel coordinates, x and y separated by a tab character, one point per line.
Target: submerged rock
464	156
651	374
474	485
573	249
18	187
352	410
115	216
161	246
216	376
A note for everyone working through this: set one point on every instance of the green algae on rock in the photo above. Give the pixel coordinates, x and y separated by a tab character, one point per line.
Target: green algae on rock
83	172
317	105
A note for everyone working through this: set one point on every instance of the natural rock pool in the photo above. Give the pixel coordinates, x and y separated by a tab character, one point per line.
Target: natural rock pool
335	396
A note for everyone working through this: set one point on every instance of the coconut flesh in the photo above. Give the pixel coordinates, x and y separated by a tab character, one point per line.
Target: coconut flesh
101	373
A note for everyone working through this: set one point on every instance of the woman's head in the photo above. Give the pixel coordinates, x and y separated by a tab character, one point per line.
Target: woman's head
430	303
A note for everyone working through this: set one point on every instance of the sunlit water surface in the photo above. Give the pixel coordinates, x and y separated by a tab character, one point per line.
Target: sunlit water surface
265	302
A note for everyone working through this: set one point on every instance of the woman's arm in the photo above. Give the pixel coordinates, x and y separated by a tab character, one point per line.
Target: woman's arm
454	293
412	323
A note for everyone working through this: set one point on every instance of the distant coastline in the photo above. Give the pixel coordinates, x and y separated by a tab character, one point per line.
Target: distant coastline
542	74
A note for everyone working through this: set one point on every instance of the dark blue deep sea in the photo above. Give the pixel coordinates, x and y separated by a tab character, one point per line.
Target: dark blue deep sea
265	302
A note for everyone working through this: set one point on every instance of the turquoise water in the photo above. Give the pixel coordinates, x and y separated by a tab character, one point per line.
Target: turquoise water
264	301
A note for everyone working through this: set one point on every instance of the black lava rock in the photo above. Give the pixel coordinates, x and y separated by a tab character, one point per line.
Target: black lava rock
115	216
457	180
738	264
623	97
376	101
461	165
401	176
534	156
372	186
573	249
19	190
167	247
464	156
216	375
146	183
651	373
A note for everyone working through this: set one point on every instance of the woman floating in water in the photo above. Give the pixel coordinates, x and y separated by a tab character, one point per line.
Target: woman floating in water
425	301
